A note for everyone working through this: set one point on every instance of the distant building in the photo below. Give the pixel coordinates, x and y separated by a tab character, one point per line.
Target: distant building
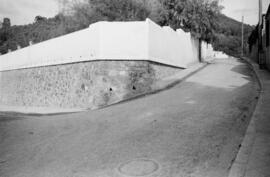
267	37
255	45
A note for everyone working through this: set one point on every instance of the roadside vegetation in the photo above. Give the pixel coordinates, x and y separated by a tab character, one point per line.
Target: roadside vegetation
202	18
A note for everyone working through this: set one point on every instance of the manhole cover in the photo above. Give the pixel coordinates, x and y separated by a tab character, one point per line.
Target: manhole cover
138	167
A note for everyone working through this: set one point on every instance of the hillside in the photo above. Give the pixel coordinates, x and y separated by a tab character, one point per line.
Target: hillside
228	36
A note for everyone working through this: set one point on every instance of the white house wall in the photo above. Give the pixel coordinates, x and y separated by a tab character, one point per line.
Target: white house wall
78	46
109	41
123	41
190	44
207	51
164	46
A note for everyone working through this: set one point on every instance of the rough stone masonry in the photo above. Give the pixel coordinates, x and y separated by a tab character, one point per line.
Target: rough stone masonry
80	85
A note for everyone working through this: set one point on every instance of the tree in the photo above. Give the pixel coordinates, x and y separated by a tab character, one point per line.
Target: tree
6	23
197	16
40	18
110	10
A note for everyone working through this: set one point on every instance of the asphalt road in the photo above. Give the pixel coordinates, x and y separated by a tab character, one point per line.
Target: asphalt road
193	129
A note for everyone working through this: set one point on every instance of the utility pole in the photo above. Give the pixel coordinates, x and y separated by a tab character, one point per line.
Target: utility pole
260	12
242	36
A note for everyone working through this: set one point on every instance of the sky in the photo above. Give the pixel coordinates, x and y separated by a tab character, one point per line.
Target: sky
247	8
24	11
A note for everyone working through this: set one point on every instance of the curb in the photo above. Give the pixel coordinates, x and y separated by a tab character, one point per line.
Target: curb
238	168
43	111
171	81
165	83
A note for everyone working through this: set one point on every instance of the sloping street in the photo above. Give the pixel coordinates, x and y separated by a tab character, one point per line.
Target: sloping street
193	129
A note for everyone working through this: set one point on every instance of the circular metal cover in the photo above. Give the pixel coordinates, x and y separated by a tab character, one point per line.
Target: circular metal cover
138	167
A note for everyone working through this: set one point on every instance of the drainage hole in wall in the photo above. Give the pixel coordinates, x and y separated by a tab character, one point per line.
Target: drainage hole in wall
111	89
134	88
84	87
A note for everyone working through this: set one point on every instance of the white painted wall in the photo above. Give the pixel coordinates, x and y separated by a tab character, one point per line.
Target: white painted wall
165	46
142	41
111	41
189	44
220	55
207	51
74	47
123	41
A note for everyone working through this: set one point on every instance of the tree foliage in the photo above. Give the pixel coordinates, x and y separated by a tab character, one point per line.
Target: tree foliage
228	35
196	16
40	30
90	11
39	18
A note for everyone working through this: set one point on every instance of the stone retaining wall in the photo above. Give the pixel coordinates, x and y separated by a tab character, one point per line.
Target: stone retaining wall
80	85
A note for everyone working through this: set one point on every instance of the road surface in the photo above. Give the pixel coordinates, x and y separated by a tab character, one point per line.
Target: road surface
193	129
